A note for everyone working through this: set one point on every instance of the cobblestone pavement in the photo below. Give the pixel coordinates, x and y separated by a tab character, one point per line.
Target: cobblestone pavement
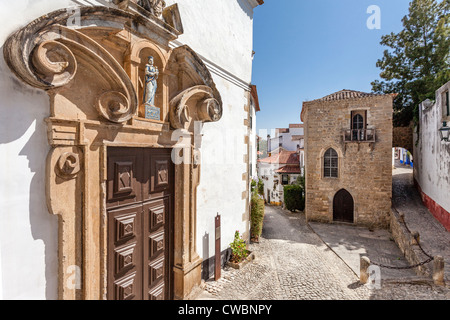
434	238
293	263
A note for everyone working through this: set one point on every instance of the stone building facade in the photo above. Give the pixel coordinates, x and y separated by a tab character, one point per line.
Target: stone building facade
105	195
348	152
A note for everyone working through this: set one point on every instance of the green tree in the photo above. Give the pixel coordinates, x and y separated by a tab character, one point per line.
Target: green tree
417	61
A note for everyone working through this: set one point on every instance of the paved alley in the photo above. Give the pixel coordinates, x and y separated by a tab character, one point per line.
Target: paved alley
434	238
294	263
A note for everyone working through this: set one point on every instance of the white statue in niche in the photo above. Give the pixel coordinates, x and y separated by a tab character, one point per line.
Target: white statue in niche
151	77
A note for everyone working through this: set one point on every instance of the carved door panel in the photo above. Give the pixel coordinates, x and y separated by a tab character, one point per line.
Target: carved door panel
125	176
158	219
140	219
157	249
124	253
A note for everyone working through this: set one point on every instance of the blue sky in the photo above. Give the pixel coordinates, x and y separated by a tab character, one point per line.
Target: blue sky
307	49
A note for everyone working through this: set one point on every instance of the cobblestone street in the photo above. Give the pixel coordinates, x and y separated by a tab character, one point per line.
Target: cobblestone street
435	239
293	263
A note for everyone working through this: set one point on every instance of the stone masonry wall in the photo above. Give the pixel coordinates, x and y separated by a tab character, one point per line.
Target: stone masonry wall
365	169
403	138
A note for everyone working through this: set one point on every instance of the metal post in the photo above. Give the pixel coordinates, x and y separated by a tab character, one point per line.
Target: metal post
218	262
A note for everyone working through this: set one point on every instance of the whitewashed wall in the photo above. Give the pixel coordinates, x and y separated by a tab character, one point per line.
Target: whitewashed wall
253	144
285	138
28	233
431	155
221	32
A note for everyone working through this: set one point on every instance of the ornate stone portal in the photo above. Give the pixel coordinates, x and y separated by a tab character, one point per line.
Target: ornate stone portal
94	75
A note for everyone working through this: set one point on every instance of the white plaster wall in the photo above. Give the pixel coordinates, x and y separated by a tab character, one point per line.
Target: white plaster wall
253	145
226	46
221	187
1	277
220	31
286	140
432	156
28	233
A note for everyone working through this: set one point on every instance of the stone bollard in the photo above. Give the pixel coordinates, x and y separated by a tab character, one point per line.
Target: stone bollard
364	264
438	271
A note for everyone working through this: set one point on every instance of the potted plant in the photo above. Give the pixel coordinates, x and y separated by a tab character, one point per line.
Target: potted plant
240	255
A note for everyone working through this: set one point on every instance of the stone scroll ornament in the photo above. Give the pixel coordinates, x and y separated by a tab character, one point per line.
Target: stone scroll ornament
151	77
68	165
47	55
197	103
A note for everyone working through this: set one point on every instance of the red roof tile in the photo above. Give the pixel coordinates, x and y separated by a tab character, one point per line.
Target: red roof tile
284	157
289	169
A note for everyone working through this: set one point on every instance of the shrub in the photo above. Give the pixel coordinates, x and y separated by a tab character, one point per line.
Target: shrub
238	248
293	198
253	185
261	187
257	213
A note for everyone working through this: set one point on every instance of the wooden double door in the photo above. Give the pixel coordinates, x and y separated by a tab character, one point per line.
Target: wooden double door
343	207
140	192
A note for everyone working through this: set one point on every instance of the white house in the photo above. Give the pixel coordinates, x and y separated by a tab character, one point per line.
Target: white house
432	155
280	169
74	135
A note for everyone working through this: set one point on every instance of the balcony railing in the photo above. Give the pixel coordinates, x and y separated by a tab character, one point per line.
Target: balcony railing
359	135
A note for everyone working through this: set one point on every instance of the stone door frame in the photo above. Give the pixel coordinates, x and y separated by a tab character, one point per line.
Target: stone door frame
48	55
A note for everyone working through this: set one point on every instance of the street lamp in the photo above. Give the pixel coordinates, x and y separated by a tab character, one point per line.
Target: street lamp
445	132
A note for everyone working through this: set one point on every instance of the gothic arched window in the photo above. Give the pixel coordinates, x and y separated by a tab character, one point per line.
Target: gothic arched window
330	164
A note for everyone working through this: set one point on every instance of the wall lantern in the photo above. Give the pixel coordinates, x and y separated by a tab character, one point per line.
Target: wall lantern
445	132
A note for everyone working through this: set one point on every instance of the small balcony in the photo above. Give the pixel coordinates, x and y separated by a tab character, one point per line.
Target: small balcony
359	135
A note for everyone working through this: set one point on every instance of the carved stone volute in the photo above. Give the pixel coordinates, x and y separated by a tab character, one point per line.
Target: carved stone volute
194	104
197	98
48	57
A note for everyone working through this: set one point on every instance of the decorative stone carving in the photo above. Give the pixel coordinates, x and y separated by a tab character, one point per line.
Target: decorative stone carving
90	72
47	56
155	7
196	103
172	17
54	63
68	165
114	106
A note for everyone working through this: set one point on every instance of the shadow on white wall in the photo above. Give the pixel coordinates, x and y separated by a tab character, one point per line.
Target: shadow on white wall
28	233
